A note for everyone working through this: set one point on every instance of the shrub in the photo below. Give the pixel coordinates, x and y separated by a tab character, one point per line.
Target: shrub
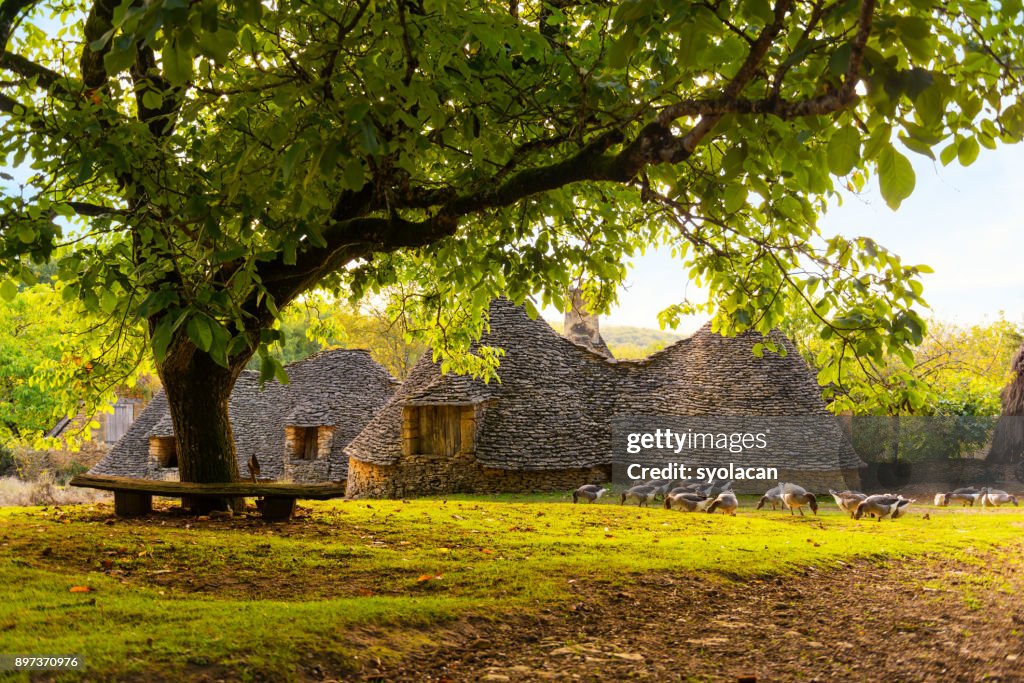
14	491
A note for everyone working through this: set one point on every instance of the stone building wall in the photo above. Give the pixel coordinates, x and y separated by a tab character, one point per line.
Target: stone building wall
815	481
418	476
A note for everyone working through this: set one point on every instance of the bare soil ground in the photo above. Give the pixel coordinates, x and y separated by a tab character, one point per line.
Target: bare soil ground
926	619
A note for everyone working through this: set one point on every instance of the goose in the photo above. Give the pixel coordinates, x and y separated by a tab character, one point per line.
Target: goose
589	493
726	502
965	496
693	487
996	497
687	502
722	488
254	467
662	486
642	494
772	496
940	500
881	506
847	500
795	497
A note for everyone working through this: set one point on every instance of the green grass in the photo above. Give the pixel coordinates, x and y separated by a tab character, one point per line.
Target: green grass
347	583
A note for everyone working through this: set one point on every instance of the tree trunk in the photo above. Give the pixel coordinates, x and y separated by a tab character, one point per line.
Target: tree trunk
1008	439
198	392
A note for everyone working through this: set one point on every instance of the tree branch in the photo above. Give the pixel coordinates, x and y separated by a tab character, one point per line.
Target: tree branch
49	79
147	77
99	21
9	105
10	10
90	209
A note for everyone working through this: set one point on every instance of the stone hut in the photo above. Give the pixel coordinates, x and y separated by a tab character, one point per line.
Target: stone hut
297	431
544	426
555	418
708	383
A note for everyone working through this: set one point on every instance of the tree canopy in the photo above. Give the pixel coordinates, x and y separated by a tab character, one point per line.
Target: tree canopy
211	161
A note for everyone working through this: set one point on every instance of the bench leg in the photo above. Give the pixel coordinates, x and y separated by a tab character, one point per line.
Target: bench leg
277	509
132	504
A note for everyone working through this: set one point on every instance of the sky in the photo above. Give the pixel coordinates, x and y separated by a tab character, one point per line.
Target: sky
966	223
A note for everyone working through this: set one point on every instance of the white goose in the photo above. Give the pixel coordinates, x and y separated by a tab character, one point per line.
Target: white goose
773	497
795	497
996	497
881	506
726	502
687	502
588	492
847	500
967	495
642	494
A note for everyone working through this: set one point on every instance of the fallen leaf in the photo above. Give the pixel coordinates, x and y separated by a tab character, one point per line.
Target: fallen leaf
81	589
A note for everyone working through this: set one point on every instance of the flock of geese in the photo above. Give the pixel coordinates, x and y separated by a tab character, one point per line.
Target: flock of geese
719	497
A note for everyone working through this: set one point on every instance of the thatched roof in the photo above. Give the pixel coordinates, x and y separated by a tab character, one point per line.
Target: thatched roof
340	388
558	404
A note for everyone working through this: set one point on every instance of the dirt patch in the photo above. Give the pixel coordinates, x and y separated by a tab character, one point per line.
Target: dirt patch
129	551
926	619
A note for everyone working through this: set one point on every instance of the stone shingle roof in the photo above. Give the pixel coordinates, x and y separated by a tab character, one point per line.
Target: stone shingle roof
342	388
558	404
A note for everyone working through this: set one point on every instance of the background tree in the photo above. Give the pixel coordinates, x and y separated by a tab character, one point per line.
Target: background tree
57	360
30	334
319	321
956	370
218	159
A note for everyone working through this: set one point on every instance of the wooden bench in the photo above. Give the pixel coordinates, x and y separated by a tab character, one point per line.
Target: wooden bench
134	497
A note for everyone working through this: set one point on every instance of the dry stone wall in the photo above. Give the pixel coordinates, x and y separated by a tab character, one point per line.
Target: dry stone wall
420	476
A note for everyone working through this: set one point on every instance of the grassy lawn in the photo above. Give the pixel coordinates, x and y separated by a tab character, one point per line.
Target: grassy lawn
353	581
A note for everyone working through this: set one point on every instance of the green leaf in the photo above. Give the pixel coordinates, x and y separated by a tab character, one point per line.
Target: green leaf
101	42
917	146
760	10
162	339
26	234
355	175
199	332
217	45
177	63
735	197
622	49
108	301
8	290
732	162
152	99
948	153
843	151
895	176
839	62
121	55
291	157
1012	119
967	151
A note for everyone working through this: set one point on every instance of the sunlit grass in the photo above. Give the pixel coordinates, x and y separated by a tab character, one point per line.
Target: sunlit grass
175	595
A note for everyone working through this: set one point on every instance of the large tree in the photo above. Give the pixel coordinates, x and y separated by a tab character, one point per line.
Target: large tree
213	161
1008	439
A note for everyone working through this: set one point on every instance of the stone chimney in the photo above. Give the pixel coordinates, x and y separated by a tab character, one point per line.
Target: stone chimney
583	328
